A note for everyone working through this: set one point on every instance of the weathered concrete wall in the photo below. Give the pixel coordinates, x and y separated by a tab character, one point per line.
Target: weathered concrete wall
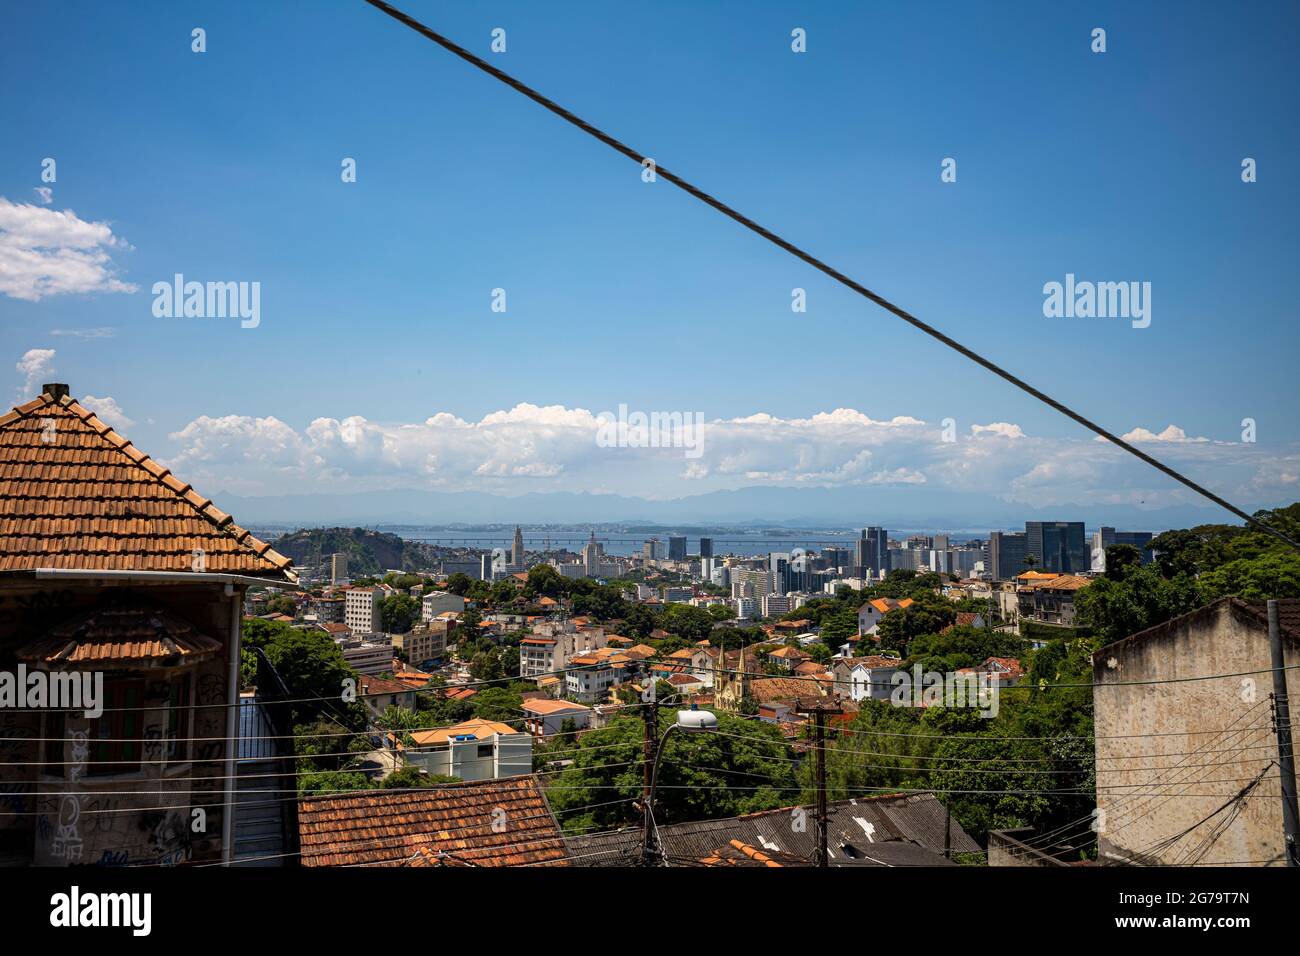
1005	849
1215	737
60	815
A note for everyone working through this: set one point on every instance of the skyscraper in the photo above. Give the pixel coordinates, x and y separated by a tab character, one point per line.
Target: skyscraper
517	552
872	553
1006	555
1104	537
676	547
706	547
592	554
1057	546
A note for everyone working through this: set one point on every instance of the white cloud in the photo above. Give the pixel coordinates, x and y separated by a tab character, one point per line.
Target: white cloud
109	411
998	429
34	366
45	194
100	332
44	252
554	448
1172	433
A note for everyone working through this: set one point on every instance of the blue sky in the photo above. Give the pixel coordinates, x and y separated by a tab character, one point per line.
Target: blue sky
375	295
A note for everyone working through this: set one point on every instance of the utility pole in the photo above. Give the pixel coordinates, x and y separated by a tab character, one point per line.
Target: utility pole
649	715
819	709
1285	753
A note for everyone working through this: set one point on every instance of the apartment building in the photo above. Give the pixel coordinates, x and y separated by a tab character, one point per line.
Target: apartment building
361	610
474	750
553	643
436	602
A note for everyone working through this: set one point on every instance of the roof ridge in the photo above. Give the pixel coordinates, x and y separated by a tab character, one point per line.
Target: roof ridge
205	507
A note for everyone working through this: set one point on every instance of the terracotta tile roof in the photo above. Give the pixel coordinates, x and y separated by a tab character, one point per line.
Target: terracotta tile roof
374	686
453	822
872	661
477	728
768	689
1007	665
127	629
738	853
885	605
1060	582
547	706
76	494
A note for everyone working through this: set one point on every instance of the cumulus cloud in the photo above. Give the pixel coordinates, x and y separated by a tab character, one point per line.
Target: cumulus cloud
45	194
555	448
100	332
35	366
1172	433
109	410
997	429
44	252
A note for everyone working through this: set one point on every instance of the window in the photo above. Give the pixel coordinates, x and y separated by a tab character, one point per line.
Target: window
115	735
178	719
485	750
56	724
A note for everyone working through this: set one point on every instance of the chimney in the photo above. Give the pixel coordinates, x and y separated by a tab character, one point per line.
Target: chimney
56	390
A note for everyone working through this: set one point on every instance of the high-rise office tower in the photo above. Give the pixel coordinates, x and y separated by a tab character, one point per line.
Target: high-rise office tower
1006	555
706	547
778	567
835	558
872	555
1104	537
517	551
338	568
676	547
592	554
1058	546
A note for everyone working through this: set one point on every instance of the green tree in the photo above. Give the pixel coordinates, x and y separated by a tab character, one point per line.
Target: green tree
398	613
412	778
745	768
499	704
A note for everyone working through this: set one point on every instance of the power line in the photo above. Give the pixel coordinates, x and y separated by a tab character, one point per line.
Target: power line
816	263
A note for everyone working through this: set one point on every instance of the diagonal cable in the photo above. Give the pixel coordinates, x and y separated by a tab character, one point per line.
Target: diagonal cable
816	263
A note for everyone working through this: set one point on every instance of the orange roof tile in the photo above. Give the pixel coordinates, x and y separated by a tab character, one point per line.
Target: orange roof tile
127	629
76	494
460	821
547	706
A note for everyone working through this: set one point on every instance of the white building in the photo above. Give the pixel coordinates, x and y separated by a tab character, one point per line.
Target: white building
859	678
590	679
368	657
774	604
473	750
361	610
551	645
435	602
545	717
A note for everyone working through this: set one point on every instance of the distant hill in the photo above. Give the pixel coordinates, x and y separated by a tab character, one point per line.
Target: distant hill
911	508
369	552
